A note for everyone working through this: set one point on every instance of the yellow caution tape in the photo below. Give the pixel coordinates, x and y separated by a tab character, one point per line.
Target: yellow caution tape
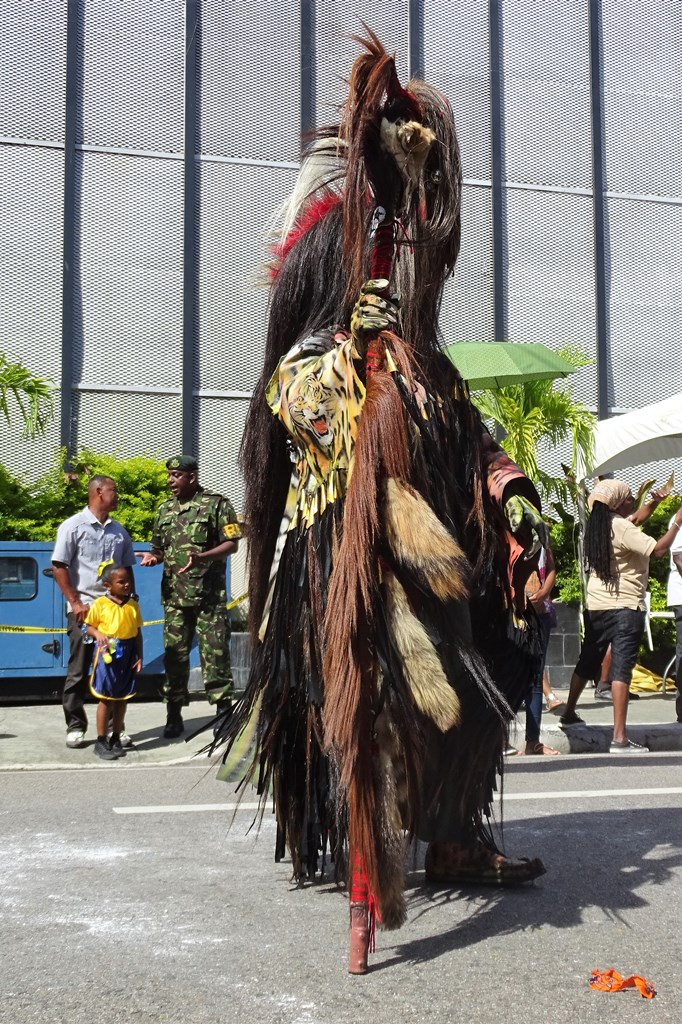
56	629
29	629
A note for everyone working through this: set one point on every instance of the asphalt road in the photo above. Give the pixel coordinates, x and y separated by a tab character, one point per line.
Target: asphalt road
125	898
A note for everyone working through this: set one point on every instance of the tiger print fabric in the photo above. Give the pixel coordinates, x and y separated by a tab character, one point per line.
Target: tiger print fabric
318	396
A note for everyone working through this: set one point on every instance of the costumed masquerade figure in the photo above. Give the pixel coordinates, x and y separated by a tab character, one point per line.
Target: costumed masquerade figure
390	537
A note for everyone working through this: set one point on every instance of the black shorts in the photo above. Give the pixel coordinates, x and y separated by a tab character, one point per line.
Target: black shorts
623	629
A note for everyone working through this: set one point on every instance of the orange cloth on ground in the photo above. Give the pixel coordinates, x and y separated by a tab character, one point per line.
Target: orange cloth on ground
612	981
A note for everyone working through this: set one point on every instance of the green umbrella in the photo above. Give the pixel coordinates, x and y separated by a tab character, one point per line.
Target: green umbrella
496	364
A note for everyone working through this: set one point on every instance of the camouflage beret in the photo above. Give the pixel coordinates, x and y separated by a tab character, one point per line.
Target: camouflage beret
185	463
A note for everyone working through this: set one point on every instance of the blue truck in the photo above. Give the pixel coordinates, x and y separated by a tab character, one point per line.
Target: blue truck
34	647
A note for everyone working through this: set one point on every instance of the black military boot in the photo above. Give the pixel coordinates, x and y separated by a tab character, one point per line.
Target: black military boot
223	707
174	723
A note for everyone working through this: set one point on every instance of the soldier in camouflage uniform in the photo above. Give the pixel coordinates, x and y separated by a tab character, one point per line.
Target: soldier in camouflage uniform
194	532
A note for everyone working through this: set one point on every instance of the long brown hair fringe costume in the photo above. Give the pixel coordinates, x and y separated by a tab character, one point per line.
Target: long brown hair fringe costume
371	711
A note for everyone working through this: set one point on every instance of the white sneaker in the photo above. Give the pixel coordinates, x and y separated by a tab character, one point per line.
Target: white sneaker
627	748
75	738
126	740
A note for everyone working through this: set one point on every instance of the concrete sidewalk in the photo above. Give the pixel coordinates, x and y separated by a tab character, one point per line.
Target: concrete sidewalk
32	736
651	722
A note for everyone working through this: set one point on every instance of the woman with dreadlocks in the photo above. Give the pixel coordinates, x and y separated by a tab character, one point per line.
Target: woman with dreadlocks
616	558
390	537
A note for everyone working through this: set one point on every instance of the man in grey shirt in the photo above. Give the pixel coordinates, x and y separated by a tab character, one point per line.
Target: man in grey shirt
84	541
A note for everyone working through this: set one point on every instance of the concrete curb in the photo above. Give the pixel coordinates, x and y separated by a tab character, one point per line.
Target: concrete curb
121	763
32	736
596	739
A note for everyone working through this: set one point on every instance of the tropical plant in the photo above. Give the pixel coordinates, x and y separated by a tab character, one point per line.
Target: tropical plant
564	542
542	413
34	395
34	510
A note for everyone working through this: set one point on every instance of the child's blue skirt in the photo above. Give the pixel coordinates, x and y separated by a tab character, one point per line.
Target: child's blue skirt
115	681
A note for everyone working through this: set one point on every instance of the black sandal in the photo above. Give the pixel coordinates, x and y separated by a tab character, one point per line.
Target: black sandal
570	718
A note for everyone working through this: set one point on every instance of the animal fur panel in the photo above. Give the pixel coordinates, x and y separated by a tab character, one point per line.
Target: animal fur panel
422	544
431	691
388	777
408	143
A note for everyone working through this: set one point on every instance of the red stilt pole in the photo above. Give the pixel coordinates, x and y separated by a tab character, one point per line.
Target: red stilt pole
362	918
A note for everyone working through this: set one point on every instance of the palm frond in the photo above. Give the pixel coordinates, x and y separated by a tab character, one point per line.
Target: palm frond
34	396
542	414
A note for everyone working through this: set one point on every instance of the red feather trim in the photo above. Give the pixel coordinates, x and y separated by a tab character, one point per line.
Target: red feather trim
313	213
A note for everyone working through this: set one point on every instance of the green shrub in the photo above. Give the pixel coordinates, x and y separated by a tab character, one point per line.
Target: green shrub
33	511
142	486
564	541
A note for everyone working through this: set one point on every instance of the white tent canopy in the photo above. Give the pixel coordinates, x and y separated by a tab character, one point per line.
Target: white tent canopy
651	434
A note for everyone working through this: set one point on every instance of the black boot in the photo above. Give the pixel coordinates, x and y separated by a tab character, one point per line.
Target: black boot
223	709
174	723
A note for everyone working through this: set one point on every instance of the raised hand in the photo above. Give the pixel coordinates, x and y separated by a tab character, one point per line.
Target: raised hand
523	517
373	311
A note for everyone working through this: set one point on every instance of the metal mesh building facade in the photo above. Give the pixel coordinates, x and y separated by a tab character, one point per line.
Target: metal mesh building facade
145	143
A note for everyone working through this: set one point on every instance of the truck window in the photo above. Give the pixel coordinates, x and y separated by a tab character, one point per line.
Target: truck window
18	578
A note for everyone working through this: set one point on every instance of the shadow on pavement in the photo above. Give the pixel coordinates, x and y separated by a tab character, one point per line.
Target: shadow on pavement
537	765
156	737
575	882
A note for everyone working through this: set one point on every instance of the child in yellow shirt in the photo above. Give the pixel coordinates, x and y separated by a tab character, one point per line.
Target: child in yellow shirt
114	621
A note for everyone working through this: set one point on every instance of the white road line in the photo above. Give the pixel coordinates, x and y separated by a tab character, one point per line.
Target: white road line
562	794
576	794
187	808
